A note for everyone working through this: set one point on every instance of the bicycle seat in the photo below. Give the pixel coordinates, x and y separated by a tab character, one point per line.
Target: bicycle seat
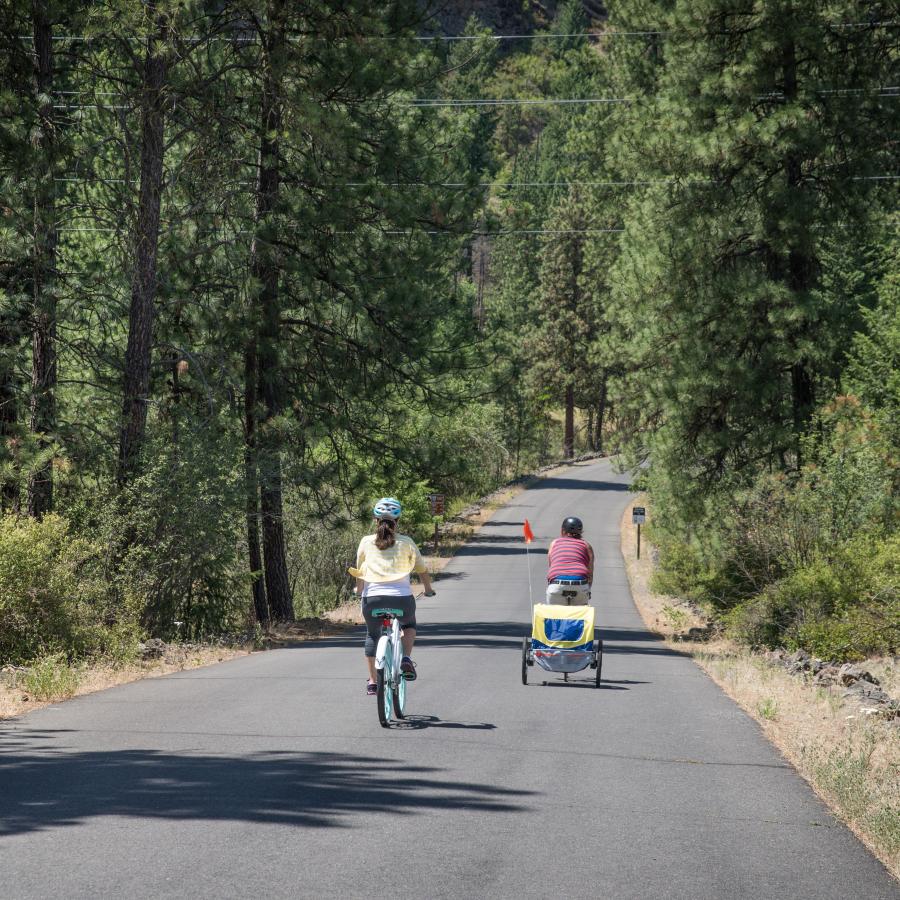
385	611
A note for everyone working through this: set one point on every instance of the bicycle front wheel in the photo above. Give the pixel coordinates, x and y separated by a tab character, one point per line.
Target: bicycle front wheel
385	699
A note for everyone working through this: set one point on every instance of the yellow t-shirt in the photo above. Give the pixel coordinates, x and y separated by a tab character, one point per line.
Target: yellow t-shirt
378	566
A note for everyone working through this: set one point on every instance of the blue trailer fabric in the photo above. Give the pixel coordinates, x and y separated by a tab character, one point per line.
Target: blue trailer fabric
562	637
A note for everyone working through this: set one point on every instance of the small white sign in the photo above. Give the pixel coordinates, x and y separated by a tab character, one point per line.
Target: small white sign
638	515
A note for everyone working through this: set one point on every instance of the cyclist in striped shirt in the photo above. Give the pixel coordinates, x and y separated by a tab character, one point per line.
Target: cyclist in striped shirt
570	560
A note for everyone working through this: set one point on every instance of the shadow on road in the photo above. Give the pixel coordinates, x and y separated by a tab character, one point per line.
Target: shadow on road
503	636
417	722
306	790
576	484
490	635
487	549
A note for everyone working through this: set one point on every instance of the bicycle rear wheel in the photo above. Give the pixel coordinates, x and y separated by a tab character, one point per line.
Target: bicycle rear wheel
399	697
385	700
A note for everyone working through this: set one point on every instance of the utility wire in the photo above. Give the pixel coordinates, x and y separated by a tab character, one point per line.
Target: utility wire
587	35
597	35
485	184
892	91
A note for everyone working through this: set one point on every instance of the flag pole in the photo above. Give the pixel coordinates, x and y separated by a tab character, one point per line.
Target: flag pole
528	557
526	529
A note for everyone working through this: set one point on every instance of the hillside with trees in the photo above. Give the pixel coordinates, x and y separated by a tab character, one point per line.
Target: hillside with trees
262	263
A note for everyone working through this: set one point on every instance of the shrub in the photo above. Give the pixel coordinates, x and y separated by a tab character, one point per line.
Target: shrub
843	609
53	598
318	558
177	540
51	678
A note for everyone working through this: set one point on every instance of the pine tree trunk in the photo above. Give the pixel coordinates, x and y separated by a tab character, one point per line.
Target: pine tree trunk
43	338
278	587
800	271
264	272
9	416
601	417
569	438
143	286
589	431
258	585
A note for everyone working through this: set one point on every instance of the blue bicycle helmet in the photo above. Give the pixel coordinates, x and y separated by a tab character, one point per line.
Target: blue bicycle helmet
387	508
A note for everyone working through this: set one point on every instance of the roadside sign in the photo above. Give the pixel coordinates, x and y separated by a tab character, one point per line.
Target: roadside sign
638	515
437	504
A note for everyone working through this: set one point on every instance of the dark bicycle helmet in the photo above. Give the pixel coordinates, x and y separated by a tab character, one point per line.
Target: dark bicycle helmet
572	525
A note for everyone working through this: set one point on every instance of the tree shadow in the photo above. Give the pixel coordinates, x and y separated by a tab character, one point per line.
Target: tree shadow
576	484
40	790
625	635
444	575
489	635
472	549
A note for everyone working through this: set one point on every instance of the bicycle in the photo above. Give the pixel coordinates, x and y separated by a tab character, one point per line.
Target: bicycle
391	685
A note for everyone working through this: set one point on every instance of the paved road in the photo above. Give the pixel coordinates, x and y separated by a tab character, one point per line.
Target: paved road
270	776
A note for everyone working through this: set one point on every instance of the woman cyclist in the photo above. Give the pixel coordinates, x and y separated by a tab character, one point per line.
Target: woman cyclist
384	562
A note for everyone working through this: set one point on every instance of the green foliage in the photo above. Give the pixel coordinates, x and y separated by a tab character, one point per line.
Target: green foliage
176	535
51	678
845	608
318	557
719	290
53	596
767	709
807	561
873	369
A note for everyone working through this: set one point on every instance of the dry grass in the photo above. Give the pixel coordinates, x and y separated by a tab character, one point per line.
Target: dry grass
850	758
74	681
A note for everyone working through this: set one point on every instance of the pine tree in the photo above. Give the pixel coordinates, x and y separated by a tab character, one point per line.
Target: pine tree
136	387
766	123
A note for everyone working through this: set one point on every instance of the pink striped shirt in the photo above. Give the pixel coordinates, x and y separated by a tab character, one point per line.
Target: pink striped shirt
568	558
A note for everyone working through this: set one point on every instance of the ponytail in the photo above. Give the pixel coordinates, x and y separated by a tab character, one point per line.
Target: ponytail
384	535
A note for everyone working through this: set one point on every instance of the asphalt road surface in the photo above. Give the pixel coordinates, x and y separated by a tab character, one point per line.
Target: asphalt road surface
269	775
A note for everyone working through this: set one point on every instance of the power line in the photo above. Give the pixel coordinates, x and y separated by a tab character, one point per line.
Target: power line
445	232
512	101
891	90
449	38
424	102
589	35
482	184
597	35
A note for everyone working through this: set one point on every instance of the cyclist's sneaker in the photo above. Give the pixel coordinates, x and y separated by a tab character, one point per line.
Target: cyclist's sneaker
371	688
408	668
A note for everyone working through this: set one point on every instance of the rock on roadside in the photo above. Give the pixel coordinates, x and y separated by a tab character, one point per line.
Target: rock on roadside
860	685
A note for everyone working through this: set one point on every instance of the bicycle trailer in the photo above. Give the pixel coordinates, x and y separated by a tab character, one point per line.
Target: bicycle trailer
562	641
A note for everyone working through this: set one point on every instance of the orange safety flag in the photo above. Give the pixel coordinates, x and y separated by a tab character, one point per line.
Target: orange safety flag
529	534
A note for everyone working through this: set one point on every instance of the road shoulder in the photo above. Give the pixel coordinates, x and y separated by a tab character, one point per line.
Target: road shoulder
850	758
